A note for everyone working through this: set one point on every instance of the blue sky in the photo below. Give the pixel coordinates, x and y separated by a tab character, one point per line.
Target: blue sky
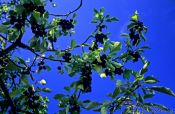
157	15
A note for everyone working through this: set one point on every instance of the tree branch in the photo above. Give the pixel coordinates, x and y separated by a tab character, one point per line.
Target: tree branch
24	46
67	14
11	47
10	101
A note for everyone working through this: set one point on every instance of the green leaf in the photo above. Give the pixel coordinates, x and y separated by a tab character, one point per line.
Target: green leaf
113	19
124	35
142	36
163	90
94	21
137	76
162	107
62	111
73	43
110	66
135	17
117	65
22	61
118	83
24	79
4	29
67	88
67	109
15	93
11	66
19	9
106	46
38	2
95	10
146	96
36	15
106	103
47	90
92	105
131	25
140	98
126	74
116	47
145	68
48	68
74	15
101	11
150	80
98	68
58	96
103	110
86	101
97	15
116	92
59	54
5	8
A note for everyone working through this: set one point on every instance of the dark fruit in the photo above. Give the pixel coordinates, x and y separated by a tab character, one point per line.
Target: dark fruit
59	68
99	37
66	24
118	71
67	56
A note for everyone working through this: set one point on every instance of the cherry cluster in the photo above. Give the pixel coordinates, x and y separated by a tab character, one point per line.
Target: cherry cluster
66	24
74	107
37	29
41	65
32	98
135	55
108	72
100	37
67	56
103	59
86	78
133	35
31	6
19	21
118	71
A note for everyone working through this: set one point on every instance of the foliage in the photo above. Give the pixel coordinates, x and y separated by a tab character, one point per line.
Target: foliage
21	93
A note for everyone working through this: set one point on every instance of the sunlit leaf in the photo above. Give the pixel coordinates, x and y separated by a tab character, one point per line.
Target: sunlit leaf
150	80
163	90
92	105
73	43
103	110
58	96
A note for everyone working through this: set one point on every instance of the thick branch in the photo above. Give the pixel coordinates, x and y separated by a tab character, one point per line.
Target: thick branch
5	90
11	47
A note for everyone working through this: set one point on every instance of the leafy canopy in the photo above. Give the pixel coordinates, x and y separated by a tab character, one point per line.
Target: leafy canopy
20	92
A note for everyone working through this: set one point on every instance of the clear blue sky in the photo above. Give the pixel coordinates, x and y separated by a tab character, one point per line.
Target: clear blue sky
158	15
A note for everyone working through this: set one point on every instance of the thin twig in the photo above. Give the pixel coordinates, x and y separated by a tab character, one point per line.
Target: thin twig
24	46
67	14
